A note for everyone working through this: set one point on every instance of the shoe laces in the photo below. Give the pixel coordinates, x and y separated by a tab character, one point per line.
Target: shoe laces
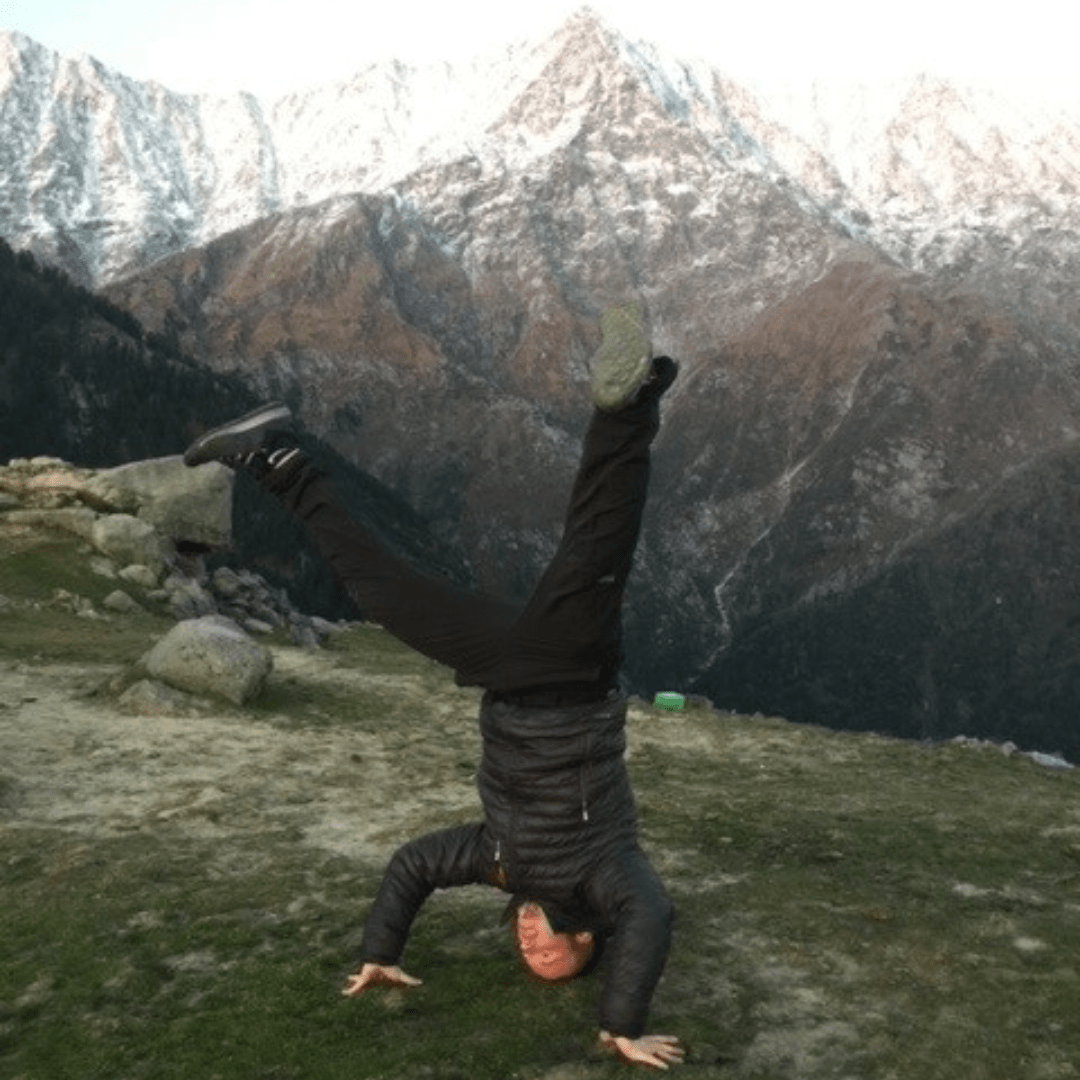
262	461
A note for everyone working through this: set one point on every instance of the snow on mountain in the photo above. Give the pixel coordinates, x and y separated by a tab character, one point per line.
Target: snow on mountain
104	174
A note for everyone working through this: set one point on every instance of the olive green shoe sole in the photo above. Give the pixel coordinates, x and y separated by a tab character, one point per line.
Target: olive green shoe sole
623	362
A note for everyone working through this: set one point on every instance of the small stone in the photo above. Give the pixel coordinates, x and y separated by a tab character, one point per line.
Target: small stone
120	602
265	613
226	583
140	575
84	608
304	636
188	599
148	697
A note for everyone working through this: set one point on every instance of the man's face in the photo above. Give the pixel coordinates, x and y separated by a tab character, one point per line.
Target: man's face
548	955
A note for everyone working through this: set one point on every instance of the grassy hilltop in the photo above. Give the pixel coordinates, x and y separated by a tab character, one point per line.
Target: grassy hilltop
182	894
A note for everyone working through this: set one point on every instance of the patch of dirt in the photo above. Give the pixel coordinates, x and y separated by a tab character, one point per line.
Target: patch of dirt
71	759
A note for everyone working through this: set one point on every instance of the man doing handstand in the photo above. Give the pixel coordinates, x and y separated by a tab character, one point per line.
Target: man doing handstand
560	830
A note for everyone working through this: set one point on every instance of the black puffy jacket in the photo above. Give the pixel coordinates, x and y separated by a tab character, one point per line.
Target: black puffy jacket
560	827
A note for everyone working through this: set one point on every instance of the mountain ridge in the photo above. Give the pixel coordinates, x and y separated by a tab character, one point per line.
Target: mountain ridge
857	378
216	163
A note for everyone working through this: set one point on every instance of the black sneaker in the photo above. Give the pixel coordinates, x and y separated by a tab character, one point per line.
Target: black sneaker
267	432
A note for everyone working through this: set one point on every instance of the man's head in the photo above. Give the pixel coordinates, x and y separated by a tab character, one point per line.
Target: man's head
549	956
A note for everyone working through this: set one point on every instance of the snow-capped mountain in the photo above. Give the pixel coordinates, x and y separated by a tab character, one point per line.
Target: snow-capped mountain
864	505
104	174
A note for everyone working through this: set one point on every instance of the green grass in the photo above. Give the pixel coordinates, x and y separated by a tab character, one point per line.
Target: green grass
226	976
928	898
34	571
919	920
33	627
849	907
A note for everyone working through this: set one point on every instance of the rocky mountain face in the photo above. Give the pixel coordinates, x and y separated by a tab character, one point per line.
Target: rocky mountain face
865	490
887	523
81	380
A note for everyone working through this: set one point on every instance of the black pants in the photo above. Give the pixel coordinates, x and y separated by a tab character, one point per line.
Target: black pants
567	638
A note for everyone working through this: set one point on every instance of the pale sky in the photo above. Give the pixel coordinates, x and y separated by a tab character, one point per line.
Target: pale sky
272	46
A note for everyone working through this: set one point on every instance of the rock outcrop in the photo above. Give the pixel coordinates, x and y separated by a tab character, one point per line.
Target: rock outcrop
149	527
186	506
137	513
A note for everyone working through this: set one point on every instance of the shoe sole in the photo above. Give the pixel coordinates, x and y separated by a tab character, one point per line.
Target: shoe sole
239	436
623	362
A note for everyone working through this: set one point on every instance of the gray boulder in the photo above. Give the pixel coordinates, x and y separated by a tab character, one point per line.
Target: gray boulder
193	505
227	583
211	655
128	539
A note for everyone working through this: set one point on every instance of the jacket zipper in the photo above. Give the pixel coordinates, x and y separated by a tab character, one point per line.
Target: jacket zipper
499	877
581	780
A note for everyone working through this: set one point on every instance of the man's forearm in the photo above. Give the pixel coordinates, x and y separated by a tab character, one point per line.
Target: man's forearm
639	947
438	860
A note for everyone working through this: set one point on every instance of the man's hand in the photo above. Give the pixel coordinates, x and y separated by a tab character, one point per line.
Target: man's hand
376	975
656	1050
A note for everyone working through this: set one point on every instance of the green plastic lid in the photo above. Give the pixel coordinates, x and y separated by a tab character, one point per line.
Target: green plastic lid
669	700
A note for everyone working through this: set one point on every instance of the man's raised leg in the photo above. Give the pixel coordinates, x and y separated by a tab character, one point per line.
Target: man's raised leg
454	626
570	630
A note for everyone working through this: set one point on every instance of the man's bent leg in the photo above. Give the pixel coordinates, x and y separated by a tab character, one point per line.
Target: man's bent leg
464	630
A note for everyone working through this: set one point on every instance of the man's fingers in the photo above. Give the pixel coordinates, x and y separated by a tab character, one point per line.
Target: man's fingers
643	1057
669	1046
354	985
374	975
655	1050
